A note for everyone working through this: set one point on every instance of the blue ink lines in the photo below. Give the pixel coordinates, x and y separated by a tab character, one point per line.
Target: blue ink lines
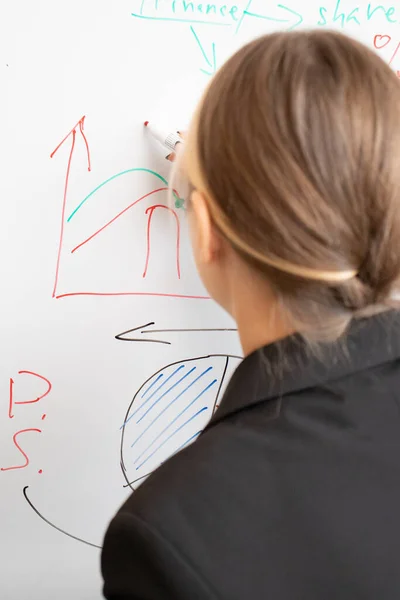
152	385
171	436
169	389
157	390
170	404
175	419
171	409
192	437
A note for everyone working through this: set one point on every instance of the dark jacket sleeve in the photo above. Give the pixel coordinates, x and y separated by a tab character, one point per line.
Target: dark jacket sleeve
139	564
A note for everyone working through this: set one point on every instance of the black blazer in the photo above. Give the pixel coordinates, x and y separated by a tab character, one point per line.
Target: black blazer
292	492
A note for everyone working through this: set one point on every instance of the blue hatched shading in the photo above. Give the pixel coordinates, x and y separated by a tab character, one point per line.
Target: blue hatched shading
168	406
172	435
152	384
176	418
171	410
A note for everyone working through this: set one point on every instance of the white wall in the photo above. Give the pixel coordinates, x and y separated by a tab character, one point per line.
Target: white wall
61	62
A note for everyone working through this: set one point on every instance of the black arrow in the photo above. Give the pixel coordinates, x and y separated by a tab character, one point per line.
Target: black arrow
125	335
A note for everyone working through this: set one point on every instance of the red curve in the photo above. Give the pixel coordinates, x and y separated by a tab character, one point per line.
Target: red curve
151	209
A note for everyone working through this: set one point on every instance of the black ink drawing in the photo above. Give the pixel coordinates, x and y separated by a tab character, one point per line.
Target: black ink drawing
33	507
142	330
168	412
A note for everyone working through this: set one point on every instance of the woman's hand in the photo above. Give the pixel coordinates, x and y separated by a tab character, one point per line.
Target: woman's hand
172	156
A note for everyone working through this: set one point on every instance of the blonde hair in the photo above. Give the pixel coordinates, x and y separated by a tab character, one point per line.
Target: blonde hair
296	146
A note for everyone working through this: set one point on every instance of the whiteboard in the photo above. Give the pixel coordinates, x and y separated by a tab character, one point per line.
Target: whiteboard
113	357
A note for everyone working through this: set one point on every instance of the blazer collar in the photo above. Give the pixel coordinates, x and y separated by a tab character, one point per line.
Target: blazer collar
291	365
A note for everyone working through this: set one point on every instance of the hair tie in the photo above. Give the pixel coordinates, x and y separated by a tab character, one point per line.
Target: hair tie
283	265
307	273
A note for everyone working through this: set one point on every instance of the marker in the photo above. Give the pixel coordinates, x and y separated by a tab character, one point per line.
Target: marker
168	139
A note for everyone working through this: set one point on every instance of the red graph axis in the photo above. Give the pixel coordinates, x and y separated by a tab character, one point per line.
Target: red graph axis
79	126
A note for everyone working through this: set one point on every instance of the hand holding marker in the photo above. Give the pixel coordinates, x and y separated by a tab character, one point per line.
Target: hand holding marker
169	140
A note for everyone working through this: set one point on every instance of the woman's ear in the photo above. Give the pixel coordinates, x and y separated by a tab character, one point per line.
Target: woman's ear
206	237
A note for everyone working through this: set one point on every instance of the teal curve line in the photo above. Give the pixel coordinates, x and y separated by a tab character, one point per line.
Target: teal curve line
178	201
180	20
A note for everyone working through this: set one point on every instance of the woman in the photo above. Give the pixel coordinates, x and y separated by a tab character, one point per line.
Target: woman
293	490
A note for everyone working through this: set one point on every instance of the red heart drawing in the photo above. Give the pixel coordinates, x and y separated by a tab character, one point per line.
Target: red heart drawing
380	41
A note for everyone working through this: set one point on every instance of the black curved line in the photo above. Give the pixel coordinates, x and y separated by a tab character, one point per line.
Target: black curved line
52	524
130	484
220	385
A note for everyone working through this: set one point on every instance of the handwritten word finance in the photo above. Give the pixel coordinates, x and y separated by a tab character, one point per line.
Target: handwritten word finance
211	13
40	388
345	13
216	13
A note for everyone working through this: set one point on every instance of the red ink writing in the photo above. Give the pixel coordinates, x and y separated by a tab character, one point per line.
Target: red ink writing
42	387
91	237
150	212
12	402
70	248
72	135
383	41
26	463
